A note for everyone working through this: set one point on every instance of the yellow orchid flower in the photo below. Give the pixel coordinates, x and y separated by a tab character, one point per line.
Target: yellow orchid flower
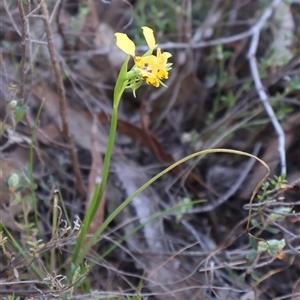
148	67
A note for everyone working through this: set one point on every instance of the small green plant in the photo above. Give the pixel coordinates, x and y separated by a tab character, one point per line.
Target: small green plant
264	222
16	110
18	183
273	247
272	186
220	102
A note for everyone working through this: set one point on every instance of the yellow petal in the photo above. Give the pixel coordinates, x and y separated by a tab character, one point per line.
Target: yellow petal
125	43
162	74
149	36
162	57
139	62
149	77
150	64
147	63
152	80
167	55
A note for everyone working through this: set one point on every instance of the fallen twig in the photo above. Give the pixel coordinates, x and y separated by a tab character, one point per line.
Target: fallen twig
256	29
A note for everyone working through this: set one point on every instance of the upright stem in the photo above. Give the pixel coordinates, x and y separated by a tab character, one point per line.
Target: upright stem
99	190
98	193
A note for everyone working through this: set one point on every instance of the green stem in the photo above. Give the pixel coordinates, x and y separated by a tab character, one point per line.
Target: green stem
99	190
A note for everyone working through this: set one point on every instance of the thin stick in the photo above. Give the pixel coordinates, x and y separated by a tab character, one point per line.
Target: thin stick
6	8
79	184
23	43
256	29
24	31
